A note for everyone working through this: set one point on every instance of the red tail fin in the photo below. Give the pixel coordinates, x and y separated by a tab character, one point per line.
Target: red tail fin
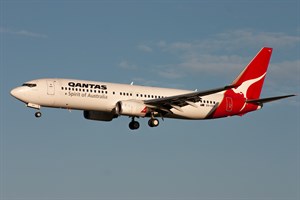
251	79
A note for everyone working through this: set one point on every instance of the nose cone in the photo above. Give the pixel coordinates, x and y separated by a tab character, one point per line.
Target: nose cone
16	92
13	92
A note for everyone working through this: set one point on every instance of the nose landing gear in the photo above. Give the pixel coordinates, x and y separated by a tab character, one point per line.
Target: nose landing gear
38	114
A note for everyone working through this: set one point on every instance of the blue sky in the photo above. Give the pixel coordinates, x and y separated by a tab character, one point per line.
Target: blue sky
181	44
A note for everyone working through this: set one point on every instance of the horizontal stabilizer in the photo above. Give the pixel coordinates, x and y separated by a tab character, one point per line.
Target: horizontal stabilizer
267	100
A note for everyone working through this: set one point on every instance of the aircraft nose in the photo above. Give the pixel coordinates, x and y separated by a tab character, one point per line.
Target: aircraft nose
13	92
16	92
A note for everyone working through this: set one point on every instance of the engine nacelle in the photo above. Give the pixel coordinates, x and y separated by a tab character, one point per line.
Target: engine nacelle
131	108
100	116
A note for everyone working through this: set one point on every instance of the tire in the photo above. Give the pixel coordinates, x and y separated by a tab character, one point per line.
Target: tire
134	125
38	114
153	122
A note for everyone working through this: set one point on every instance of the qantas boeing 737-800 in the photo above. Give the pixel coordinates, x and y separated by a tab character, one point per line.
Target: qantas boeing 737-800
105	101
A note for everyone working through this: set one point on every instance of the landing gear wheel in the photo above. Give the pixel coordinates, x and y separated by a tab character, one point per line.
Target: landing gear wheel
153	122
38	114
133	125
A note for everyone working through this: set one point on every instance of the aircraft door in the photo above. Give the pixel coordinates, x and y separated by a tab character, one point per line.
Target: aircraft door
50	87
229	104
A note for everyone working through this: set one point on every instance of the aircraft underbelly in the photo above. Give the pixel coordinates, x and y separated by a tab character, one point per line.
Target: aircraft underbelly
189	112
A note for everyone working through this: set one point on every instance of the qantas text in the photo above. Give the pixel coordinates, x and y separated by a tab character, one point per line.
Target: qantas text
88	85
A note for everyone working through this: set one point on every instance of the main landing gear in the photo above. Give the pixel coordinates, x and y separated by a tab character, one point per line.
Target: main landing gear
133	125
153	122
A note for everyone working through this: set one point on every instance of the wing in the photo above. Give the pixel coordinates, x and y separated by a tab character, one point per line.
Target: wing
178	101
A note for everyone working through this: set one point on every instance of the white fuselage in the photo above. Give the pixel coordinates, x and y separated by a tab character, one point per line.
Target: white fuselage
103	96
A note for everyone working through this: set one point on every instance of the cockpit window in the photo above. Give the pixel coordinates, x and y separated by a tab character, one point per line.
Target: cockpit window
29	84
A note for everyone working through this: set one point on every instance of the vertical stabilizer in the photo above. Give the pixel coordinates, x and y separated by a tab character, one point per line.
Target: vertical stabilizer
251	79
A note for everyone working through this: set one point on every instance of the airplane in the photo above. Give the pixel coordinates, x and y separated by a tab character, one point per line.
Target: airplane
105	101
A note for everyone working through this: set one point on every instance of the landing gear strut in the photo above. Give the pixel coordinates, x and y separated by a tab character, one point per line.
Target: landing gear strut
133	125
38	114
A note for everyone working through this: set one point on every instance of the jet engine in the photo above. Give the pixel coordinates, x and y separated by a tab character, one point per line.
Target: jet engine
98	115
131	108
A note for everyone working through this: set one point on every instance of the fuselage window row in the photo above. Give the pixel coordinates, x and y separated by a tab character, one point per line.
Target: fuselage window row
83	90
207	102
126	94
140	95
